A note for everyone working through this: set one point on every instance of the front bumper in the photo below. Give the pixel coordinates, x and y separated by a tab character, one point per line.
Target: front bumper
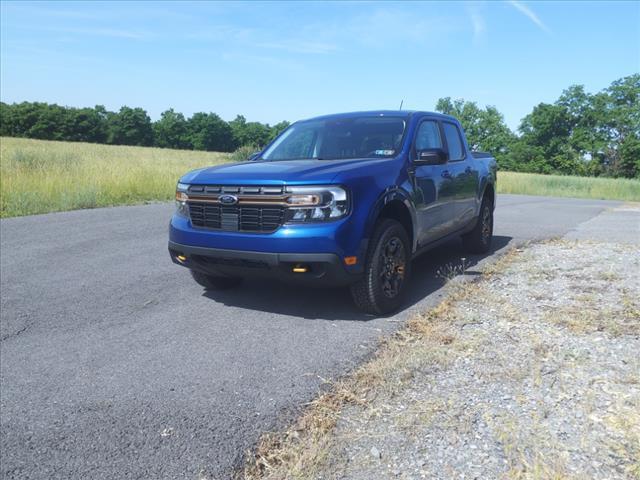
323	269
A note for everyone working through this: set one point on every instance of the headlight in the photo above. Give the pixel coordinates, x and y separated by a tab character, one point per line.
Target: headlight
316	204
182	208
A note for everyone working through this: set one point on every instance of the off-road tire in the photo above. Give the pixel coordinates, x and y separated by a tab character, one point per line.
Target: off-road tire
478	240
373	293
210	282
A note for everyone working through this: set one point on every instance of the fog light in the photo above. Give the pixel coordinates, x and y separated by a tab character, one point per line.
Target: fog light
181	258
300	269
350	260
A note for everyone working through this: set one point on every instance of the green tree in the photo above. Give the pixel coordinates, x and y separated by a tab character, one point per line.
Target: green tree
207	131
250	133
5	112
549	128
623	125
53	122
629	162
526	158
49	122
587	137
86	125
19	118
171	130
130	126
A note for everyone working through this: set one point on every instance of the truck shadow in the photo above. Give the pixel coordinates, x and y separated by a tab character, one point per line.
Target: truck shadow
429	274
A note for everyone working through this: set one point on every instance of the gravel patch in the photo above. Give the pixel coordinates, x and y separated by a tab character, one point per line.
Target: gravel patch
534	374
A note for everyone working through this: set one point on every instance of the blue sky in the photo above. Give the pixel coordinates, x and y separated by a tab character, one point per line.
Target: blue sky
286	61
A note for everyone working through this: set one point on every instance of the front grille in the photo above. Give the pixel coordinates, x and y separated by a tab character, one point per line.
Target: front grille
228	262
236	218
259	208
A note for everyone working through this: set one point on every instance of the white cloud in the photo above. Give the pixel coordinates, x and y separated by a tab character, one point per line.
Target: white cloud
477	22
526	11
391	24
252	38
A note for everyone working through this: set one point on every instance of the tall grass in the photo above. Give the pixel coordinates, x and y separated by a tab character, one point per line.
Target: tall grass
39	176
568	186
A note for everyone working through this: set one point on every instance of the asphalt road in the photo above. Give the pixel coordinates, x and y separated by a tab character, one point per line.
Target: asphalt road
115	364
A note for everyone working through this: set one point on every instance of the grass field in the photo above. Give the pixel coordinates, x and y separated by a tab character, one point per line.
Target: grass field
40	176
567	186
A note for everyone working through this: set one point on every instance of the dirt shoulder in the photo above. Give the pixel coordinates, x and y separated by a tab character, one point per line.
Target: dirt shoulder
530	371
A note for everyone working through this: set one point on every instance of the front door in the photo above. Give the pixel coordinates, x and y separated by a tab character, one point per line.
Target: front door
433	187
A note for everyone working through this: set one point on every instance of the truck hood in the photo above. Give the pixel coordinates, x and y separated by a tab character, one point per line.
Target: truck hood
298	172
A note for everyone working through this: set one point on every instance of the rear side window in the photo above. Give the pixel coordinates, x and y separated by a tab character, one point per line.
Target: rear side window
452	134
428	136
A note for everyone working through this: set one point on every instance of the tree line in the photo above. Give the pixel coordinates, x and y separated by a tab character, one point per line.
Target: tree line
133	126
580	133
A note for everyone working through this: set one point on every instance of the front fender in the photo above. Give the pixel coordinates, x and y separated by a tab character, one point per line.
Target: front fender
391	194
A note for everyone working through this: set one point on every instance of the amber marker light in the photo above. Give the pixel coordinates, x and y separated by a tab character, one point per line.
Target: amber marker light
350	260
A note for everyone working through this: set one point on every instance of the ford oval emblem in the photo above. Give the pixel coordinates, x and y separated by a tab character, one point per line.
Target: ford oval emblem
228	199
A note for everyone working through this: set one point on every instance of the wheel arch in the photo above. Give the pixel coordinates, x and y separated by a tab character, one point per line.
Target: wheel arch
396	205
489	191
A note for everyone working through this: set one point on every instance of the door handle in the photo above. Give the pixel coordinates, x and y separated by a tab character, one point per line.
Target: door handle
446	174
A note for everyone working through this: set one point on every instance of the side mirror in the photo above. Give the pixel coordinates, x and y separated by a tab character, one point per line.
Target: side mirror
431	156
253	156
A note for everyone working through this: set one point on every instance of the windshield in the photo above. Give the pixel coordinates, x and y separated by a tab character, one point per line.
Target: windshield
339	138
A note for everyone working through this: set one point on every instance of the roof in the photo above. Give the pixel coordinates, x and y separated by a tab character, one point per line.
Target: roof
382	113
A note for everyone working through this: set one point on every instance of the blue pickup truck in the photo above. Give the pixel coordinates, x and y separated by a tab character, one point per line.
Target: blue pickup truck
339	200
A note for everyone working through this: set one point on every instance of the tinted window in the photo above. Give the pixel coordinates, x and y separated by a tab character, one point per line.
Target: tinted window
428	136
298	143
339	138
454	143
